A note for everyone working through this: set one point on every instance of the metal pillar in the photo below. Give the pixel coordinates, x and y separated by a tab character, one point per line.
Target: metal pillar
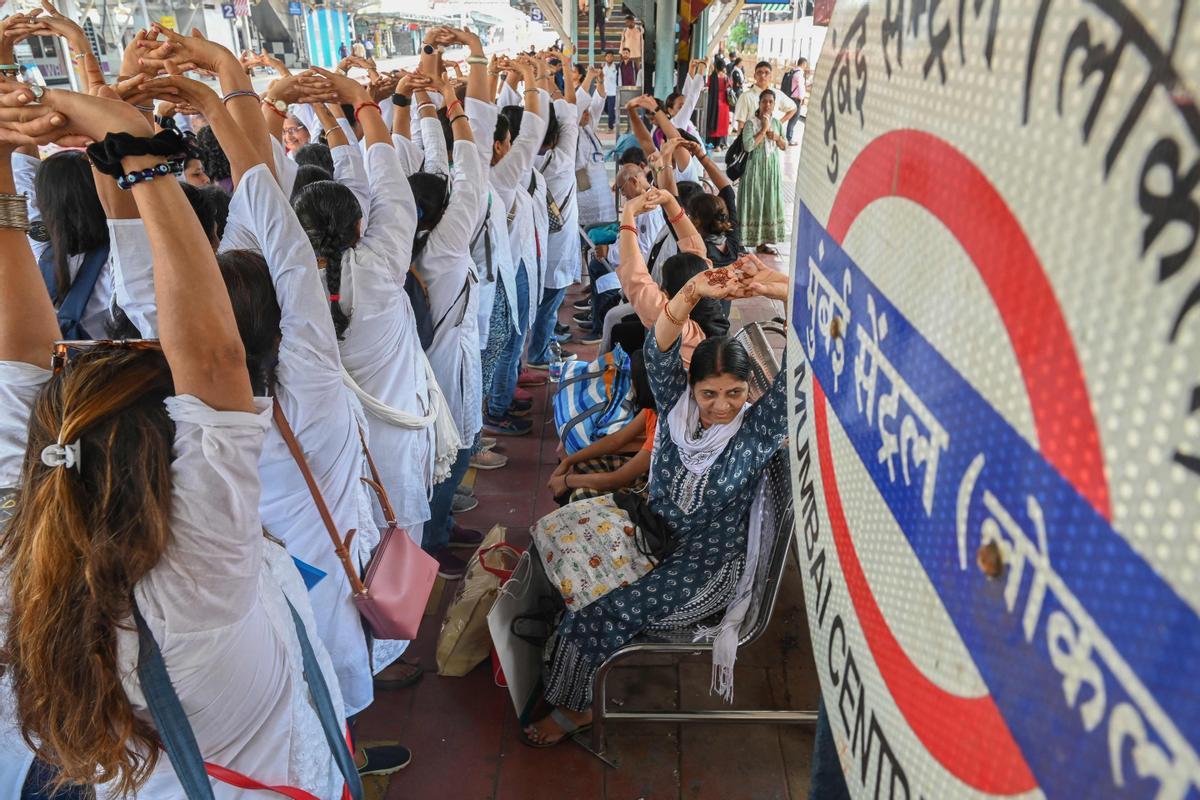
700	32
664	47
570	17
591	31
726	22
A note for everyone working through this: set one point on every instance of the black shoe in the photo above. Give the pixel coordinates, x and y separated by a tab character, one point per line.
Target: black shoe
385	760
584	319
583	305
560	328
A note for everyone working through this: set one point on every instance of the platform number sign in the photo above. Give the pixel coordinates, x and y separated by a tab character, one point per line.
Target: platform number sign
995	377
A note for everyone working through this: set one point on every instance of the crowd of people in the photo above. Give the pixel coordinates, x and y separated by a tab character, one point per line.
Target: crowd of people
237	323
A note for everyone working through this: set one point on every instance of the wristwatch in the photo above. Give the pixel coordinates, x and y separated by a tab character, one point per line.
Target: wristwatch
428	49
278	105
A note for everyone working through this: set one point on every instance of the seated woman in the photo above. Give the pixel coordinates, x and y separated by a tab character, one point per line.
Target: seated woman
711	450
620	460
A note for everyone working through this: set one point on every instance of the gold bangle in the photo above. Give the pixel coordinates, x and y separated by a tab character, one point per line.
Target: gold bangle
667	312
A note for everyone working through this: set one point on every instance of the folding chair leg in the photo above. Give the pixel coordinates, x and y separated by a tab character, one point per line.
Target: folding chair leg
599	692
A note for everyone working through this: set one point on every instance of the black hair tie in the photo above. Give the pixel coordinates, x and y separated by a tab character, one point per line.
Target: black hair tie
106	154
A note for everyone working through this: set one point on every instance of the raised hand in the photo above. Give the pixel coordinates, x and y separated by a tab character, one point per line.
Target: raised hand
302	87
22	122
186	91
185	52
382	87
346	89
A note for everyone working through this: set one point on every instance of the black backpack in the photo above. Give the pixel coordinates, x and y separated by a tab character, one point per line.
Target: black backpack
786	84
735	159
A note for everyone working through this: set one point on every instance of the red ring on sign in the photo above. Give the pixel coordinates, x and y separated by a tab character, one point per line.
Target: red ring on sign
967	736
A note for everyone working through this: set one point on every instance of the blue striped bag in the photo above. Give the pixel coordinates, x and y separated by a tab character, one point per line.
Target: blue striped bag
594	399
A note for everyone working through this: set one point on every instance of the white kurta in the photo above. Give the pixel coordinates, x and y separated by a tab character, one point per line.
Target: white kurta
380	348
558	168
448	271
597	206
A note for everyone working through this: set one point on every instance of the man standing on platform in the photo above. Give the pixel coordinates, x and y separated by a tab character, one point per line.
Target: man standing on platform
631	40
611	84
747	104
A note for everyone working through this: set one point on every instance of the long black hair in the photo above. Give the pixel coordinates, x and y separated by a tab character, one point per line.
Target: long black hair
431	193
71	211
329	214
216	164
316	154
256	309
708	313
719	355
514	115
306	174
550	140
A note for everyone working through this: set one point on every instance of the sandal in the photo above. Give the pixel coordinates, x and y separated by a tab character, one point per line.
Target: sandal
569	729
414	675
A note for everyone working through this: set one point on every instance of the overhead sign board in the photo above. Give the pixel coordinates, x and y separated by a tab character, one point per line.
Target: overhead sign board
995	356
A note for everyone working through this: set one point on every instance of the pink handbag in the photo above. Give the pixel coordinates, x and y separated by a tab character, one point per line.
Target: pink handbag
400	575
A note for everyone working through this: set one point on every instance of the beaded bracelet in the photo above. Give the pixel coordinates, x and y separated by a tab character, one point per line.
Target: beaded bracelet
368	104
239	93
130	179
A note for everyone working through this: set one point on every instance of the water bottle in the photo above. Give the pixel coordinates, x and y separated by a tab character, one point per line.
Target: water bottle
556	361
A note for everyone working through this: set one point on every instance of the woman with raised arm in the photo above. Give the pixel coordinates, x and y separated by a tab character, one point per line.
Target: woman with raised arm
448	215
710	449
557	164
519	133
596	204
136	548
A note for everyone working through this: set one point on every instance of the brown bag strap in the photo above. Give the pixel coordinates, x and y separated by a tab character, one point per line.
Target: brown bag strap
376	481
339	547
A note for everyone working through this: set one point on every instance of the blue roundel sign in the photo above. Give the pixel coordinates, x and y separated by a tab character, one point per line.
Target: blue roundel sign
995	350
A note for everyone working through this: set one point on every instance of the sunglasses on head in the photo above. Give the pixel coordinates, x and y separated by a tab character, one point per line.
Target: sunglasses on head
66	350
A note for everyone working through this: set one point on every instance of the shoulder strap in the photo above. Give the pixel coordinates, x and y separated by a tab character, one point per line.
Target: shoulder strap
376	481
179	741
70	311
487	239
339	547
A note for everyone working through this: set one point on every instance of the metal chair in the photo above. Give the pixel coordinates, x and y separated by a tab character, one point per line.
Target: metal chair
779	518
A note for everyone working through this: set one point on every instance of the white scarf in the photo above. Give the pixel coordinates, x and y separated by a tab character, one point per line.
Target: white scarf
698	453
727	633
445	432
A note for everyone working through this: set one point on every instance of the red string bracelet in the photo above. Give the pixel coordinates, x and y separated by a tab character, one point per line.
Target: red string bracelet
361	106
630	228
676	218
456	102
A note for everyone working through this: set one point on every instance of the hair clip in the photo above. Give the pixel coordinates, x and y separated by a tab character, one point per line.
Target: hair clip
62	455
335	298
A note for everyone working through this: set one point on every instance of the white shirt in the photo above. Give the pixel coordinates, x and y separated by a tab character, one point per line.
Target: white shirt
511	179
747	104
380	348
449	273
323	413
216	603
610	80
558	167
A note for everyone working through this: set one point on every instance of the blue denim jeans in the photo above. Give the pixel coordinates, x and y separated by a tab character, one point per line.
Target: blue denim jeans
828	780
508	366
543	325
610	110
602	302
436	535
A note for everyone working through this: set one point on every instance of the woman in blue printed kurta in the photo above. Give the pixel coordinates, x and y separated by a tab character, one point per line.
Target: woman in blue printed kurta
708	512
